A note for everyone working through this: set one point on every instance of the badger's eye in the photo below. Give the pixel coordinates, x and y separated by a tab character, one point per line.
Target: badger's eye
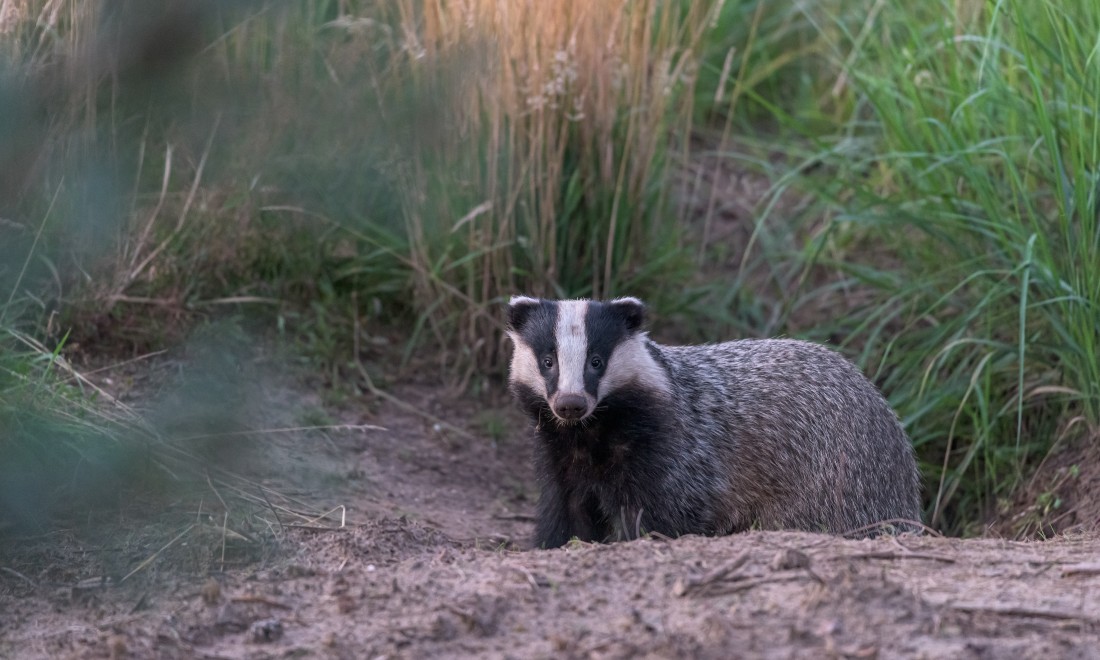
548	362
596	362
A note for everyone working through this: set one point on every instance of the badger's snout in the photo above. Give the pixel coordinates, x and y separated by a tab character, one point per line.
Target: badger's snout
570	407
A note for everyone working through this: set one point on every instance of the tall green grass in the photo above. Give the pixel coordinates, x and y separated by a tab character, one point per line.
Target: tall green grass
961	194
551	177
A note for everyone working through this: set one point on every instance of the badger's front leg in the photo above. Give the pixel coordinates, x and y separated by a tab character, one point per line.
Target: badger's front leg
552	525
565	513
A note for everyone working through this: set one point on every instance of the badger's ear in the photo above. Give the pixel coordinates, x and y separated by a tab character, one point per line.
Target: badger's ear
519	310
632	311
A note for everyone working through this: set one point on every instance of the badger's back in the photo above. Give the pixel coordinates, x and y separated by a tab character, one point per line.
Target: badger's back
807	440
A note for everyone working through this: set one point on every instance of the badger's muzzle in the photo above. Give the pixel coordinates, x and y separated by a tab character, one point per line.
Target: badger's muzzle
570	407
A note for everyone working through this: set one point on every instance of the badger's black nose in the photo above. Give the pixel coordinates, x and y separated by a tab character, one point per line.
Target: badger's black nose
570	406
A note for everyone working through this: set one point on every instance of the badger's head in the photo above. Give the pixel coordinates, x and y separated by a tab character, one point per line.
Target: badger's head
573	354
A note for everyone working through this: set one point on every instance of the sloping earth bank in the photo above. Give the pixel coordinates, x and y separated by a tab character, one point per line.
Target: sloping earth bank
433	563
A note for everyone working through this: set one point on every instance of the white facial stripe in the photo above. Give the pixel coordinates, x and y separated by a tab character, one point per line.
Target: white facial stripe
572	341
631	362
525	366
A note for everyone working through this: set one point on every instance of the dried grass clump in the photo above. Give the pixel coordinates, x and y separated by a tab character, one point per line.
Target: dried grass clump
555	183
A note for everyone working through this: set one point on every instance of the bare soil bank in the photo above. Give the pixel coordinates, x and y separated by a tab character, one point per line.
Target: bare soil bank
433	563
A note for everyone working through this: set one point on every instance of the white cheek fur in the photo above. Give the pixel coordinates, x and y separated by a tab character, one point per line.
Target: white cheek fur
631	363
525	366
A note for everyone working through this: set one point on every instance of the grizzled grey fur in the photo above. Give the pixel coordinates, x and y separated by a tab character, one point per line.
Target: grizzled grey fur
634	437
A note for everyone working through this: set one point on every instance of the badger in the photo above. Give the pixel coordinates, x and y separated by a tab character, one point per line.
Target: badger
634	437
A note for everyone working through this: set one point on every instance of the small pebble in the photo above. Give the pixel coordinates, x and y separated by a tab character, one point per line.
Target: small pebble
116	647
211	591
789	559
266	630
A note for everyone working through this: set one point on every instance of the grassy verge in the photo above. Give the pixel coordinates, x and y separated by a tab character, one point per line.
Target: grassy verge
961	197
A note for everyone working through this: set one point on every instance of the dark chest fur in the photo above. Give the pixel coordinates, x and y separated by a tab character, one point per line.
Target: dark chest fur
605	478
622	439
625	430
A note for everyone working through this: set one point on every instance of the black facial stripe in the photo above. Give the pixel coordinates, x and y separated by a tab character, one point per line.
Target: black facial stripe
538	333
605	328
656	355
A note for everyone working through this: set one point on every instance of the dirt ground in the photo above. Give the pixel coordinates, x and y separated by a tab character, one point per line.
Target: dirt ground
433	560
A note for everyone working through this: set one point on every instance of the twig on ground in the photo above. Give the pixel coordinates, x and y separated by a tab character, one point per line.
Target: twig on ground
701	585
1020	610
726	588
892	521
309	523
1081	569
116	365
150	558
262	600
272	508
225	529
899	555
530	577
12	571
522	517
288	429
225	507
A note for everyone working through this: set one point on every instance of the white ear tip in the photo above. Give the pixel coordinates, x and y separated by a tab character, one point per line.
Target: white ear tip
627	299
522	300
